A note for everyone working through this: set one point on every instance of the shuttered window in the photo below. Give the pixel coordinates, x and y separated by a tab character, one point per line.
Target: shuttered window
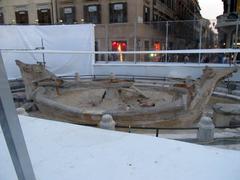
68	15
118	12
44	16
146	12
21	17
92	14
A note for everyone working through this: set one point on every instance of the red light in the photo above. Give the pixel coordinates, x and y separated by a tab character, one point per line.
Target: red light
157	46
116	45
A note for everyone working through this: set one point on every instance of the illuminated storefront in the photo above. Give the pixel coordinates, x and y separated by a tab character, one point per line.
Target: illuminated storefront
119	46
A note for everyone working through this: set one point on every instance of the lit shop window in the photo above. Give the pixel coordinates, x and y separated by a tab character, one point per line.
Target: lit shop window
119	46
154	56
157	46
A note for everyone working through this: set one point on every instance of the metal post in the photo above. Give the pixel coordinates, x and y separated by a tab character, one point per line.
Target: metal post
56	11
166	56
43	55
12	130
129	128
106	41
135	33
135	41
53	12
236	42
200	42
157	132
236	38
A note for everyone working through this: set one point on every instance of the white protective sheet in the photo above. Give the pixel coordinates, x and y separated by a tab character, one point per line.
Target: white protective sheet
55	37
63	151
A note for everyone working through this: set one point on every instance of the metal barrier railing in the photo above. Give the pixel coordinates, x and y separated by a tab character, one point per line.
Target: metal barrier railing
186	55
129	128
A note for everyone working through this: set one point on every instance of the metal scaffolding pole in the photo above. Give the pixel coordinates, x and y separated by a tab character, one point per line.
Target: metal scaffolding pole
135	42
12	130
106	42
236	35
200	42
166	56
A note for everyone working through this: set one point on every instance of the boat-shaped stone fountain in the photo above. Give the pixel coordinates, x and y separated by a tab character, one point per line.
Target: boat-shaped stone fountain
135	104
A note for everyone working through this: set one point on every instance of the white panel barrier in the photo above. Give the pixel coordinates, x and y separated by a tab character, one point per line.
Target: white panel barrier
176	70
53	37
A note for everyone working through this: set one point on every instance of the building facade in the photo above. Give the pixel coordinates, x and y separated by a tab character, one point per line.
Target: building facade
227	24
120	24
27	12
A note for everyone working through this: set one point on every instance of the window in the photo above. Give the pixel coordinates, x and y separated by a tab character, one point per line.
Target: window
157	46
68	15
146	45
154	2
118	12
21	14
44	14
92	14
155	17
1	17
169	3
233	5
146	48
96	49
146	14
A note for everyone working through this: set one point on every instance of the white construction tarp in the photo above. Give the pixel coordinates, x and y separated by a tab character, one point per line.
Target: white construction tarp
63	151
171	70
52	37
